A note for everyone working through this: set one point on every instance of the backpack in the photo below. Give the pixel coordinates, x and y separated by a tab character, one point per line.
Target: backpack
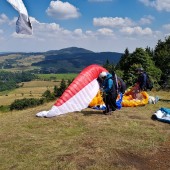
115	81
120	85
149	83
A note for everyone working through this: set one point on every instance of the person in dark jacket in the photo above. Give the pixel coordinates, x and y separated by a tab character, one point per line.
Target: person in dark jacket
109	92
121	85
141	81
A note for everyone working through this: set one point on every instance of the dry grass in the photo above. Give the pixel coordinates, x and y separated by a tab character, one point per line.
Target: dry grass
31	59
33	89
13	56
82	140
22	63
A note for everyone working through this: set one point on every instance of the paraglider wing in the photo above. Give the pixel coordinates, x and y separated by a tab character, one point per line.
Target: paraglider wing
23	24
79	93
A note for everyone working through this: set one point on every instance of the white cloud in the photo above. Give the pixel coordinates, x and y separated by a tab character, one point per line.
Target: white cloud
105	31
136	31
20	36
118	22
146	20
3	19
100	0
77	34
167	35
62	10
78	31
166	26
147	2
160	5
112	22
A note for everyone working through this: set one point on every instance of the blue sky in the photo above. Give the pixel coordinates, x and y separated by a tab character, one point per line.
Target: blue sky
97	25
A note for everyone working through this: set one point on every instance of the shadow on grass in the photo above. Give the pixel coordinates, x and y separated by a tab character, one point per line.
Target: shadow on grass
92	112
154	118
164	100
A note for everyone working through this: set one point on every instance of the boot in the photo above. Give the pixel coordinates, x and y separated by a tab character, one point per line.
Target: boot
105	111
108	113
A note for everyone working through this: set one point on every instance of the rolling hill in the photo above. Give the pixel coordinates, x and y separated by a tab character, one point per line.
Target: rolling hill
74	59
66	60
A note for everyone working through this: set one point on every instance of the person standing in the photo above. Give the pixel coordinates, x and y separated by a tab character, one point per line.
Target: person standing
141	81
121	85
109	92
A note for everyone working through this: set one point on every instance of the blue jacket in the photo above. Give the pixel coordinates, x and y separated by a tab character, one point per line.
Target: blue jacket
108	83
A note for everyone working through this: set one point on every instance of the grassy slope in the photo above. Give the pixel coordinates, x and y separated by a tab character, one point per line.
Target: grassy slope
21	63
33	89
82	140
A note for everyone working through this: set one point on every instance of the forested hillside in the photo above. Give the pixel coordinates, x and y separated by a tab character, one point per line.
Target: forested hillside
67	60
74	63
9	80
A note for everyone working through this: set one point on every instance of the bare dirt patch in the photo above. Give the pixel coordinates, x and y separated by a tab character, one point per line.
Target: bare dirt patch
158	159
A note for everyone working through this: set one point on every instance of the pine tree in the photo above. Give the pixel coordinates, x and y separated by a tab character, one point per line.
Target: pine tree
109	67
139	58
162	60
123	60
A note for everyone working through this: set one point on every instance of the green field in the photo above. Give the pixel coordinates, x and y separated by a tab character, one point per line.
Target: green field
87	140
69	76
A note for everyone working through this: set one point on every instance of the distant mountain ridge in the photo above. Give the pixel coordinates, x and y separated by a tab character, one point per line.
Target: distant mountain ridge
69	50
66	60
74	59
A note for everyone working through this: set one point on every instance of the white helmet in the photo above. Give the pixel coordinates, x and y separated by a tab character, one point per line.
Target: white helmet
103	74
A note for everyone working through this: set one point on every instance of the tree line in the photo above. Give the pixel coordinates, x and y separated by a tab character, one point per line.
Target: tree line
156	62
11	80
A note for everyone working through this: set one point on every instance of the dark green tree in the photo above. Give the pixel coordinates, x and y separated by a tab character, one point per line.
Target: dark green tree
109	66
55	91
63	85
162	60
123	61
150	52
139	58
121	67
61	89
69	82
48	95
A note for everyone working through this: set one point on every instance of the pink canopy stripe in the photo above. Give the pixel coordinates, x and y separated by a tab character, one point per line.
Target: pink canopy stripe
83	79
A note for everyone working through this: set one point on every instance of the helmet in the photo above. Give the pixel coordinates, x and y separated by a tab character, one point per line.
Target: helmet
103	74
140	69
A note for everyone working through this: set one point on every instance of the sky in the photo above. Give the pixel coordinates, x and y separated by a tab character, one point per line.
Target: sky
96	25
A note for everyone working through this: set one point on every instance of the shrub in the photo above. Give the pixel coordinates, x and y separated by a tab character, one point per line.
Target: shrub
21	104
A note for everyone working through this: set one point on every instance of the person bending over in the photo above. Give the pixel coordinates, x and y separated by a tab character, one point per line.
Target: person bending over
109	92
